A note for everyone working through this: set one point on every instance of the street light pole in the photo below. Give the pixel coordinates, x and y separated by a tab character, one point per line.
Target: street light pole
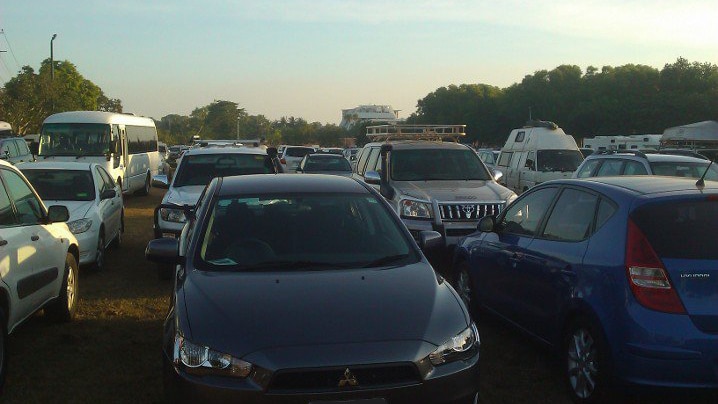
52	58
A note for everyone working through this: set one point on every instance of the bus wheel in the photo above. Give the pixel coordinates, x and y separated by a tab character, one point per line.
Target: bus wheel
145	190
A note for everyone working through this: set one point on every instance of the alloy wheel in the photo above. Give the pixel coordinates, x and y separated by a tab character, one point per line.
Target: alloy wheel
70	288
582	363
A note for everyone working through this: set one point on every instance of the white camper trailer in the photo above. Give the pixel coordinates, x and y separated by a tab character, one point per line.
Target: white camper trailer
538	152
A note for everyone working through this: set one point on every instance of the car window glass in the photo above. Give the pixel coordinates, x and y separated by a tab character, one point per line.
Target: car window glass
634	168
9	148
363	155
99	181
605	211
106	178
28	207
7	217
587	168
610	167
505	158
572	216
373	158
524	216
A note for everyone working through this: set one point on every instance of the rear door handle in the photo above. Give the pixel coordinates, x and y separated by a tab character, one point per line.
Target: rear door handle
35	238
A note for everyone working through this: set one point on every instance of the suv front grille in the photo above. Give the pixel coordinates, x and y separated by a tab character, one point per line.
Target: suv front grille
468	211
328	380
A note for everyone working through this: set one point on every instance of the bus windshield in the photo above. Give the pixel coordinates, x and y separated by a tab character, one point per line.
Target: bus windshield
74	139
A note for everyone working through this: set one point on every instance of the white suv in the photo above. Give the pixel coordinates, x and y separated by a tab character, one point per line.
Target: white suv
38	257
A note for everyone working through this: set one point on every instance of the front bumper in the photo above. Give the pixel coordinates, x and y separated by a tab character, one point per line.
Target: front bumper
87	242
452	384
452	232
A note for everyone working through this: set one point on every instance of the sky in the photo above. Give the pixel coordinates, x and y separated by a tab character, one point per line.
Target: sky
312	58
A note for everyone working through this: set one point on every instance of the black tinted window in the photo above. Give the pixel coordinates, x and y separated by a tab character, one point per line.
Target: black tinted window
437	164
338	163
29	210
62	185
572	216
201	168
524	216
680	229
605	210
297	151
559	160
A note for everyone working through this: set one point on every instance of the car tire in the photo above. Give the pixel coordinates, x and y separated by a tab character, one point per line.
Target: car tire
64	307
164	271
100	252
464	286
3	349
145	190
587	371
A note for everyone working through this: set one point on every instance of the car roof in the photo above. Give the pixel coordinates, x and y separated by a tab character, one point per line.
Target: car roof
325	155
651	157
421	144
642	184
225	150
57	165
289	183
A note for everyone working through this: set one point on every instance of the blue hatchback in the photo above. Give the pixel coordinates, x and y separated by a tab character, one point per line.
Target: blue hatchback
619	274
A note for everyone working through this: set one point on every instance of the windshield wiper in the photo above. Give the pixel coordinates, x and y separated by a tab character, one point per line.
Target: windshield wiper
385	260
287	264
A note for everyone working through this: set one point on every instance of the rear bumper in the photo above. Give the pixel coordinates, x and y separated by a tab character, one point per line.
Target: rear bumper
666	350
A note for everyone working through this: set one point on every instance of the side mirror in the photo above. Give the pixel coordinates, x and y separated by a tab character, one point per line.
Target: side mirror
163	251
160	181
429	240
57	214
498	174
5	155
486	224
108	194
372	177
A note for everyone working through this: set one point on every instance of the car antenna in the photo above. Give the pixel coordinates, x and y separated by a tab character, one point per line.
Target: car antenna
700	184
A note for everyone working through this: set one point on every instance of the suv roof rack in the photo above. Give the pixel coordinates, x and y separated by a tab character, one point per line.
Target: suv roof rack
636	153
534	123
415	132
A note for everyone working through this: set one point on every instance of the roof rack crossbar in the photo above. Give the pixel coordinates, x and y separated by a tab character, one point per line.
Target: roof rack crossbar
415	132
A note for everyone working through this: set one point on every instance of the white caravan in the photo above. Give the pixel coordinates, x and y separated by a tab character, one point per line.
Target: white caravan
125	145
538	152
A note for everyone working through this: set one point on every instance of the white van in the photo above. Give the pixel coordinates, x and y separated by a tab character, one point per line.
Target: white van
123	144
538	152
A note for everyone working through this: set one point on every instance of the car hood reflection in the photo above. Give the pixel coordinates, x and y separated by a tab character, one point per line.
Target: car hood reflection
241	313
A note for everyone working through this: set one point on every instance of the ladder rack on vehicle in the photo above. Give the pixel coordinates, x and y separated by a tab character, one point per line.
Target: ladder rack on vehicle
415	132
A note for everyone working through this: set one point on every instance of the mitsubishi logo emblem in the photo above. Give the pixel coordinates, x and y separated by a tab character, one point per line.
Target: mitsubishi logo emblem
348	380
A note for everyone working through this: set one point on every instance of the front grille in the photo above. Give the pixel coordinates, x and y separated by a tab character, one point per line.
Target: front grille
459	232
329	379
455	212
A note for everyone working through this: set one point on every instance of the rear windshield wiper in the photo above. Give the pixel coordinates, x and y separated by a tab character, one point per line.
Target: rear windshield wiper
386	260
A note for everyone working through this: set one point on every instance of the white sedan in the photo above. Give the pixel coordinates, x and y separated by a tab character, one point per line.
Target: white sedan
92	197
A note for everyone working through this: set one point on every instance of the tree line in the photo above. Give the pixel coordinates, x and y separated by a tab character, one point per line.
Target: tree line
629	99
611	101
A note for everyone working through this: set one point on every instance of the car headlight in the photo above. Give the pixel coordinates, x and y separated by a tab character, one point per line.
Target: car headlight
414	209
461	346
172	215
79	226
200	359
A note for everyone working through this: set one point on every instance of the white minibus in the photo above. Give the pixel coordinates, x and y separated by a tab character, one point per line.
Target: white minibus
125	144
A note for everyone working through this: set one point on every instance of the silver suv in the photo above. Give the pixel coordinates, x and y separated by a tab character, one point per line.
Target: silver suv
433	185
607	162
14	150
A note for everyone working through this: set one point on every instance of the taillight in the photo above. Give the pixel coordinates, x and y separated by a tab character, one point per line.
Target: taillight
283	161
647	276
